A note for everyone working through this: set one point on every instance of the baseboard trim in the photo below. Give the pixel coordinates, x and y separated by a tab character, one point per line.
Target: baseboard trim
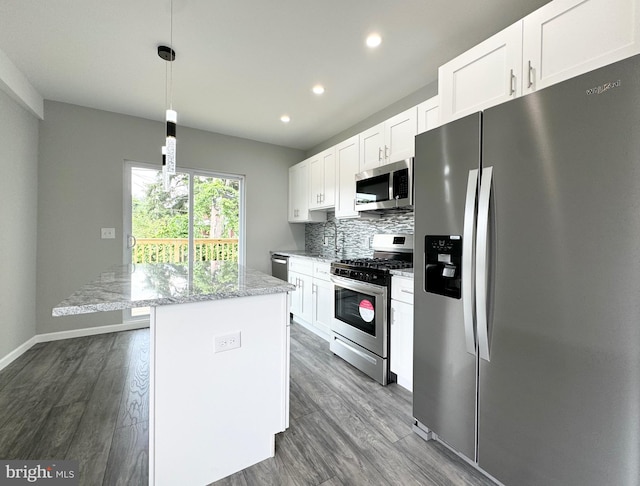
75	333
16	353
91	331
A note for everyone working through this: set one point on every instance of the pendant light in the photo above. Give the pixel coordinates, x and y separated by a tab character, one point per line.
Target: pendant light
171	116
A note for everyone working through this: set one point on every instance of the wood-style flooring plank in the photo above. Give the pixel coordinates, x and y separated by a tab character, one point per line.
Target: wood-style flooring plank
349	464
446	468
134	407
92	441
128	462
8	373
301	458
54	436
236	479
80	387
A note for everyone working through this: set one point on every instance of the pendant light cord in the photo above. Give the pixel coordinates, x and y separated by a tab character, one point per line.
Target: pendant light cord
171	55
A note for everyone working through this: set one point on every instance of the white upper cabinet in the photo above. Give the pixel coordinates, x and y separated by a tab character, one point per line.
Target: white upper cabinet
323	180
372	148
566	38
347	165
486	75
561	40
390	141
399	135
299	195
429	114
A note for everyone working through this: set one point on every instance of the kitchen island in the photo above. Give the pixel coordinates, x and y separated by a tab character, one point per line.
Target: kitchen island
219	362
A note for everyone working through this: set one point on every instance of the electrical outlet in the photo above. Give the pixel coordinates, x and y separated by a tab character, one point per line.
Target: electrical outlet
108	233
365	241
226	342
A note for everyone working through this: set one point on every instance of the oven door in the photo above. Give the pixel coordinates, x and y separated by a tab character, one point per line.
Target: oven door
360	314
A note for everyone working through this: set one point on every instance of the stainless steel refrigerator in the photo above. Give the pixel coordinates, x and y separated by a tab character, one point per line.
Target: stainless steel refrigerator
527	283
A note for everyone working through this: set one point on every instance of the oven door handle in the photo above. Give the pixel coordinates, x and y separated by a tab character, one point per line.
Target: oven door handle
358	286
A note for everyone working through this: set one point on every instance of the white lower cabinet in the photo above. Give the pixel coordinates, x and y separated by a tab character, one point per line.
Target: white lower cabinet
402	330
312	301
322	305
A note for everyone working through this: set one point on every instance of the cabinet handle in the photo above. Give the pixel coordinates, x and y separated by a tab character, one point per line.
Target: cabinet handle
379	154
386	152
406	291
512	77
529	80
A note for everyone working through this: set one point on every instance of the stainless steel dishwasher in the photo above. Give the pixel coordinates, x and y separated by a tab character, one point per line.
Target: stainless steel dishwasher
280	267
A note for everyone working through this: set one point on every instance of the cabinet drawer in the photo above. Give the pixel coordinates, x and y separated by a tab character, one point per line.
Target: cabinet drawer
301	265
402	289
321	270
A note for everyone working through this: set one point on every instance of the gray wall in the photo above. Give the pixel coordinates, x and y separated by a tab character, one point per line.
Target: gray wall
81	178
423	94
18	230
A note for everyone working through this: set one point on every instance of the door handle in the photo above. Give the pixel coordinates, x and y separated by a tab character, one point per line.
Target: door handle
468	242
482	271
131	242
512	78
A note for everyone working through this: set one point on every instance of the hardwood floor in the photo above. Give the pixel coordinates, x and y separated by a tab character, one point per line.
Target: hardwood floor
87	399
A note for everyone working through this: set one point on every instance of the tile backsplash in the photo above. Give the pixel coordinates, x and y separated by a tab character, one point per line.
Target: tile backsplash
354	235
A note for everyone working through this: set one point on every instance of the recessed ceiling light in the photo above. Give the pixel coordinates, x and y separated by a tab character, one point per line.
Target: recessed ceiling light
374	40
318	89
285	119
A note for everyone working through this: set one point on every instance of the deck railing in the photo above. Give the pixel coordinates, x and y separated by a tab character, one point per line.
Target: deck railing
175	250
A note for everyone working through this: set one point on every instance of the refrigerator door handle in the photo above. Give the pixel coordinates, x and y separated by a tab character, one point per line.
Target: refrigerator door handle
481	262
468	240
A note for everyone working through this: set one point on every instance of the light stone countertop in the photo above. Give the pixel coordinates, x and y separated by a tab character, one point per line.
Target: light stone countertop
142	285
304	254
404	272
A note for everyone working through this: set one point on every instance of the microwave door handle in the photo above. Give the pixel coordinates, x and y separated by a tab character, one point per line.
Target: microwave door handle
391	187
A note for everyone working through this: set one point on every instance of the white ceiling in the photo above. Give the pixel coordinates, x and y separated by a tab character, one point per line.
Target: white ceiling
241	64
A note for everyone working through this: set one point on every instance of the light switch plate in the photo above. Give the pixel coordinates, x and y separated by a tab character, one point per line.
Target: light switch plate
108	233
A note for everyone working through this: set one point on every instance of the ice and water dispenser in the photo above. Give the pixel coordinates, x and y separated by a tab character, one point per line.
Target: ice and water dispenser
443	265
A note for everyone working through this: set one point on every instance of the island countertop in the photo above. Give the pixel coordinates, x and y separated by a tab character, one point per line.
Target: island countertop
142	285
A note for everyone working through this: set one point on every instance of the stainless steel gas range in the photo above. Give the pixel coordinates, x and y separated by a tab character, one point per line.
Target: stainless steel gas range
362	294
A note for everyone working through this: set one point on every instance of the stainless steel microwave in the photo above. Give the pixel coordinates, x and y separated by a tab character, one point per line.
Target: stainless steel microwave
387	187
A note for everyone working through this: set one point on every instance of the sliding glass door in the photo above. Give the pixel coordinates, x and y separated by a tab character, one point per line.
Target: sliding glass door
198	217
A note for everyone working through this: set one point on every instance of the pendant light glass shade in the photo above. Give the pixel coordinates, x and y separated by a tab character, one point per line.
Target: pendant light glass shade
172	120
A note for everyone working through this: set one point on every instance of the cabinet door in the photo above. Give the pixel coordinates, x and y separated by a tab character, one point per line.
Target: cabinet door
299	196
372	148
347	165
306	292
402	343
316	182
486	75
329	190
399	136
323	305
296	295
566	38
429	114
